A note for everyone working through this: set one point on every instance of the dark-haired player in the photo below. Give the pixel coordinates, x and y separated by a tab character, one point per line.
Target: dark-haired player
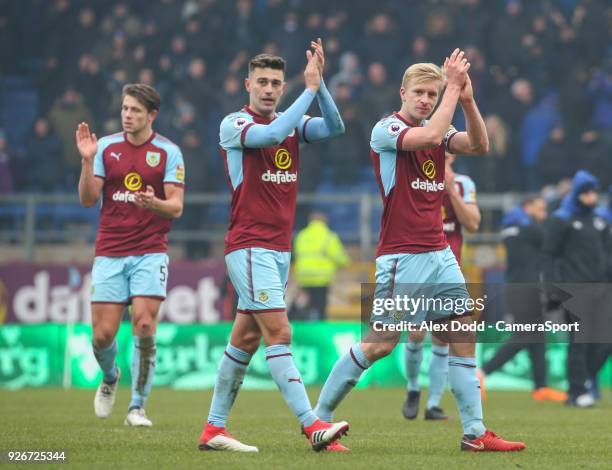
260	148
140	176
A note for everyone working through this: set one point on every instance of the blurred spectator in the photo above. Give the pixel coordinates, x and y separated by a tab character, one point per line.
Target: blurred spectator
594	150
380	39
44	160
537	124
197	51
92	85
349	75
600	89
348	155
196	89
380	96
233	97
64	116
318	253
554	159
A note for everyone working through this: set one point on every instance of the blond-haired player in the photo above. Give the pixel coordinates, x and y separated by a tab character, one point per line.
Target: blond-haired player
413	256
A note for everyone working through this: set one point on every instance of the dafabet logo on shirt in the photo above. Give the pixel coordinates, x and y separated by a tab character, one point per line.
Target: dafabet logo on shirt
132	182
282	161
429	170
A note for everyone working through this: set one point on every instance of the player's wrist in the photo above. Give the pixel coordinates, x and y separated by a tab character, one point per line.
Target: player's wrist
453	88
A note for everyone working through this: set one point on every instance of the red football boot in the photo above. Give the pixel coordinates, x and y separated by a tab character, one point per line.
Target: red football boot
489	442
321	434
216	438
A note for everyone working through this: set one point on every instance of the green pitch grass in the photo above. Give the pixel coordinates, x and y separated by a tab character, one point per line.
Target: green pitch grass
556	436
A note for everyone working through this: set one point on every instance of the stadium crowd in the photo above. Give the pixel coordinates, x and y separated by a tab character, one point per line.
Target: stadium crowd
542	73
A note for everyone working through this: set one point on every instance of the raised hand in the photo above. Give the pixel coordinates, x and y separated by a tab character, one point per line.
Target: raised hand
318	50
456	67
312	76
87	143
467	93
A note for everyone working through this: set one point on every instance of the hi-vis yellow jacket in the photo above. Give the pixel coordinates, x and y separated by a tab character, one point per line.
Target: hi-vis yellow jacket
318	253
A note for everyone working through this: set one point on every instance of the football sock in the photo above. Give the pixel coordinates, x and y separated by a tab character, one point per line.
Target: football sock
438	374
106	360
466	389
232	368
143	369
289	382
414	357
343	377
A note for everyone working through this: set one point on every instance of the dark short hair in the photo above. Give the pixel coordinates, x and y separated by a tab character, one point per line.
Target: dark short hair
145	94
267	61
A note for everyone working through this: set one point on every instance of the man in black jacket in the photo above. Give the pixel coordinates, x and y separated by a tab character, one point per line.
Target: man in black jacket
575	245
523	238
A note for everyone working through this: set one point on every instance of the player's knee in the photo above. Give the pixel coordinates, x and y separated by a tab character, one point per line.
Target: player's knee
249	342
280	335
144	325
103	337
382	350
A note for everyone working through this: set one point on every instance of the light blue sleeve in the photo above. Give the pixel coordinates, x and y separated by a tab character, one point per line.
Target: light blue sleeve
330	125
230	131
266	135
385	134
469	190
175	166
98	164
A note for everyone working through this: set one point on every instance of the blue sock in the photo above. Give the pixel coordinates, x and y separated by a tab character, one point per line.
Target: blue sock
232	368
143	369
438	374
414	357
343	377
289	382
466	388
106	360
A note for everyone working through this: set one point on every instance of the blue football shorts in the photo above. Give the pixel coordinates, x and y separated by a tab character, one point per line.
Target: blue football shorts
260	277
433	279
117	279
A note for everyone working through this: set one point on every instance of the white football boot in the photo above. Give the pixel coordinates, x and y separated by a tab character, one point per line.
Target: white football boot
137	417
105	397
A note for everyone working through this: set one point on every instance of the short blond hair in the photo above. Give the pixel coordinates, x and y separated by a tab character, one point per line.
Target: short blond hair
423	72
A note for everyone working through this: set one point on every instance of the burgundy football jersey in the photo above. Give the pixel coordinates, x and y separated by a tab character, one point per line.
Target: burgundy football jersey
412	186
126	229
264	185
451	225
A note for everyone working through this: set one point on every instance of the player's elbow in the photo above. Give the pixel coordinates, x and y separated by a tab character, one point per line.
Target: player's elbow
177	212
276	138
473	226
483	148
87	202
